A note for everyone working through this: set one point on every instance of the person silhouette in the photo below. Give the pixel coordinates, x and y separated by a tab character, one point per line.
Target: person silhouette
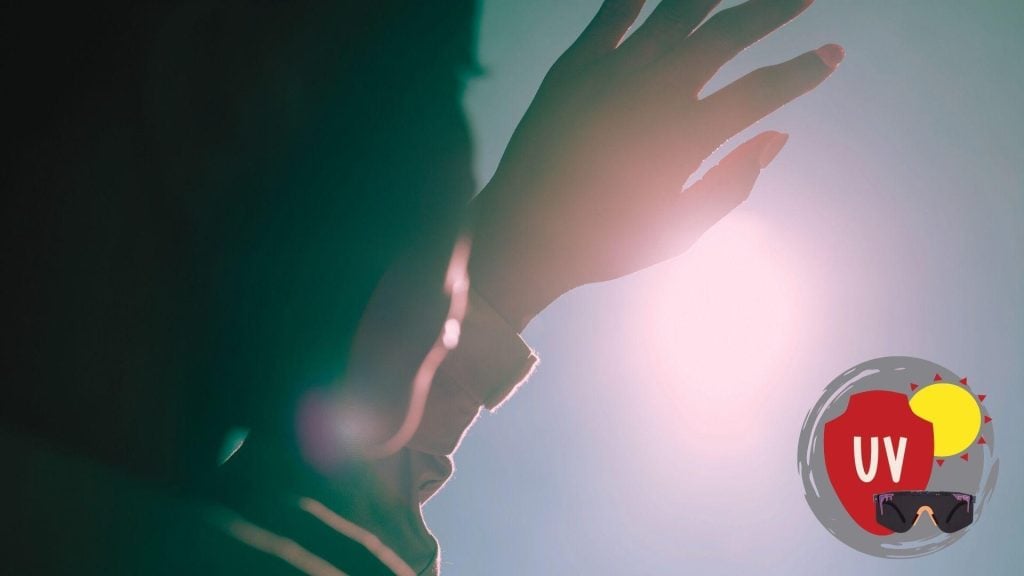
261	217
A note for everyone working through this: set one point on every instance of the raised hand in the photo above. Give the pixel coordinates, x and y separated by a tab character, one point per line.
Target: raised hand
589	188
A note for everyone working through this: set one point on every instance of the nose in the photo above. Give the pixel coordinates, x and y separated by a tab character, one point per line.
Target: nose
929	511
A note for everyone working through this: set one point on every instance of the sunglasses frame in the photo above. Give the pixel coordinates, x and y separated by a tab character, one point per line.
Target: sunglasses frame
918	499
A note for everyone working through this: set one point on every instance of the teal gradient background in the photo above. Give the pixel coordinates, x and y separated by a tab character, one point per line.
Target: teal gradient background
890	224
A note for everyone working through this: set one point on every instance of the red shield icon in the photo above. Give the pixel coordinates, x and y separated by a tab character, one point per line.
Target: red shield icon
878	445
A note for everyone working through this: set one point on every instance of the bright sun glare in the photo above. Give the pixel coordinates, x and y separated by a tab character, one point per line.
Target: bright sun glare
717	325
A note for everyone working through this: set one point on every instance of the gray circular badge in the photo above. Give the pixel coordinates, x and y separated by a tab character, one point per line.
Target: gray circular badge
906	467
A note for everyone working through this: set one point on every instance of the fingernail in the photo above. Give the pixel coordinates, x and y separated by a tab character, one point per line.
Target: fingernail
771	149
831	54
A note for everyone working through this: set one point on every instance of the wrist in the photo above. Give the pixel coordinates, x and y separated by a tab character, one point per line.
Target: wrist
509	264
507	291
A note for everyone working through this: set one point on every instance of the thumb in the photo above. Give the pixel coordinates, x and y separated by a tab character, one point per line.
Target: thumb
723	188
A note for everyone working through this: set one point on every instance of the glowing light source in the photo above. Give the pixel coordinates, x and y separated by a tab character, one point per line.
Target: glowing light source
715	326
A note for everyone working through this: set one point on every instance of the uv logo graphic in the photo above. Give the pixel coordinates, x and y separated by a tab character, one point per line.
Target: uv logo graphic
897	457
895	460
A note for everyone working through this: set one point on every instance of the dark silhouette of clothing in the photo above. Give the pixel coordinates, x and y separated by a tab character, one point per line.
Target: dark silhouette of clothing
199	200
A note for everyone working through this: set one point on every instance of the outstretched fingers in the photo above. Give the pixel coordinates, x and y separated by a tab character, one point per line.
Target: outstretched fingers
604	32
670	23
761	92
696	59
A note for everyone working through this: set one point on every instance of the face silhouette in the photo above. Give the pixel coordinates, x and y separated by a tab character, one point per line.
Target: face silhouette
203	201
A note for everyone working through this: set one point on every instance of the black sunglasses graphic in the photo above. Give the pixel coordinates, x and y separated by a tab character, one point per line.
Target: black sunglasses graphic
899	511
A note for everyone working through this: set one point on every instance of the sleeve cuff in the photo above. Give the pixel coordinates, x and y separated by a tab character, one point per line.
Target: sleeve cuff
485	369
492	360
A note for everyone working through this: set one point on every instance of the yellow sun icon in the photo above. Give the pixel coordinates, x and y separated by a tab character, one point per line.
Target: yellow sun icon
954	413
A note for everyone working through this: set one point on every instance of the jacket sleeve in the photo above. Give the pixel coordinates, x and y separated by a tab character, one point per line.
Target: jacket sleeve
483	371
486	368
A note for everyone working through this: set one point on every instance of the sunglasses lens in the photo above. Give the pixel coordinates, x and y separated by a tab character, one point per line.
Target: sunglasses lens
889	514
959	516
